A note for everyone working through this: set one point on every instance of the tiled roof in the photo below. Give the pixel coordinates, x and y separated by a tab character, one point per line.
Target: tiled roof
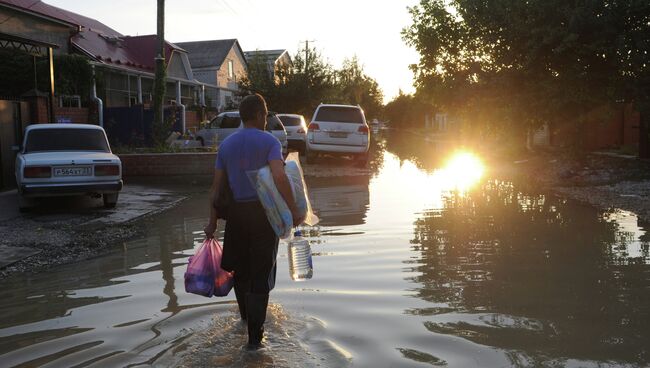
40	8
100	42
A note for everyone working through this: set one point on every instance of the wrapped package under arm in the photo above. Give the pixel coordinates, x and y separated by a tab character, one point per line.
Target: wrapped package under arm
276	208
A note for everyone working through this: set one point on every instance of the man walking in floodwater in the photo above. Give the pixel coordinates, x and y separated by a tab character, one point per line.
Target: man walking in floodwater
250	244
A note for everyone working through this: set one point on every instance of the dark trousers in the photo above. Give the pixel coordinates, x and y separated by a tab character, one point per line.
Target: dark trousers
250	250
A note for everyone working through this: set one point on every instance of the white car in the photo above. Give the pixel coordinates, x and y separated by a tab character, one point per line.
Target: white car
338	129
228	122
296	130
66	160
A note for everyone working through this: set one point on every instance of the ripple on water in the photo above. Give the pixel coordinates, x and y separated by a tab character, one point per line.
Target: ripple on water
291	341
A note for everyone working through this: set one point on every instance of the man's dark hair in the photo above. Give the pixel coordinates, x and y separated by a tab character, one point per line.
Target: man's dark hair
250	106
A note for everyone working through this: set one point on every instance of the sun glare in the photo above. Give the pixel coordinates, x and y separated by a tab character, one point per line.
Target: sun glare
461	172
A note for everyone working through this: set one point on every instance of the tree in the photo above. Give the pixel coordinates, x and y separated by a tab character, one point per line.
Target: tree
310	81
514	65
406	111
356	88
297	89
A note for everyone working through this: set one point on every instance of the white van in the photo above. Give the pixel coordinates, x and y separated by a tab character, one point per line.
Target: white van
338	129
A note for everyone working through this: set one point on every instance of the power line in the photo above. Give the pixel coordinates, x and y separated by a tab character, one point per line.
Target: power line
225	2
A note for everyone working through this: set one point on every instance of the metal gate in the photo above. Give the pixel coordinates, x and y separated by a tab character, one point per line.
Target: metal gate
13	120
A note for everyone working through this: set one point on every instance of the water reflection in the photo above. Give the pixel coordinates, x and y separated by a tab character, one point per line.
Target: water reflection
411	269
340	201
531	274
113	310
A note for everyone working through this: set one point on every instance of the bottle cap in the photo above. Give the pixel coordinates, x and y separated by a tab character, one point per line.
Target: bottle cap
297	233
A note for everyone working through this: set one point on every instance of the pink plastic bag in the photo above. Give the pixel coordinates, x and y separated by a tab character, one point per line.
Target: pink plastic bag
204	275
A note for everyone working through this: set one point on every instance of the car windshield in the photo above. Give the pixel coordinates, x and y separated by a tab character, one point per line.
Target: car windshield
66	139
291	120
273	123
340	114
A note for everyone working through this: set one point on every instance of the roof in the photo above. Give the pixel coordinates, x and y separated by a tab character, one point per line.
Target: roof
99	41
135	52
62	126
203	54
42	9
269	55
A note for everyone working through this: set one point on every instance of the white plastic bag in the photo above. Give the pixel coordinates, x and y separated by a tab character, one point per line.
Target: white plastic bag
274	205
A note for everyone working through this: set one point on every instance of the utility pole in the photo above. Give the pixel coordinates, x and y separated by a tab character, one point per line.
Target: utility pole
307	80
159	82
307	57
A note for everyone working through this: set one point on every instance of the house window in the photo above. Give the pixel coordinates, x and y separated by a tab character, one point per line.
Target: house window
230	69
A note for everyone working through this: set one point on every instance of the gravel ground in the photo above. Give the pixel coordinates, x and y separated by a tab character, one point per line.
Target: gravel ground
63	230
602	180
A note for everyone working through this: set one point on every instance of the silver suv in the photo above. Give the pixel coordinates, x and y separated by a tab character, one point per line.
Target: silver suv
229	122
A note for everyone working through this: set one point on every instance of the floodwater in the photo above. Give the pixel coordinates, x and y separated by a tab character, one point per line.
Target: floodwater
419	264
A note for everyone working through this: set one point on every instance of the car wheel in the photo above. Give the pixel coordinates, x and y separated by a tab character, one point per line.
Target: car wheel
24	204
200	139
110	200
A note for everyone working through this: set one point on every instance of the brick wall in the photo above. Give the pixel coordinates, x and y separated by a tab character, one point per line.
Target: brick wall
71	114
168	164
37	109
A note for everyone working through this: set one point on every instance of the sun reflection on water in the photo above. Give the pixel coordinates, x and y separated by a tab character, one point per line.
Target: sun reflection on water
461	172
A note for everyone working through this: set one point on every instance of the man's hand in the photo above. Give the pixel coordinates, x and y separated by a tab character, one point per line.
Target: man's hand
297	218
210	229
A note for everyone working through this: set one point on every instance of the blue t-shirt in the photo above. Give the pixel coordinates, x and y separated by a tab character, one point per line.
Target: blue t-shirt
246	150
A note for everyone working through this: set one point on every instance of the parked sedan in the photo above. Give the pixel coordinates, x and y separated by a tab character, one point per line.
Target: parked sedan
296	130
228	122
66	160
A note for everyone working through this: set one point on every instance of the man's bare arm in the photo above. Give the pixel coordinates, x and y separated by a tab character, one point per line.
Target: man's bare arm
214	194
282	183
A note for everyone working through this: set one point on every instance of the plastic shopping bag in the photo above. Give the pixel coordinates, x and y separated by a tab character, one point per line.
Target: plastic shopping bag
274	205
204	275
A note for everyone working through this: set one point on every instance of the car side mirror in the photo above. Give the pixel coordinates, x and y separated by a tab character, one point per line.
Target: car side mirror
16	148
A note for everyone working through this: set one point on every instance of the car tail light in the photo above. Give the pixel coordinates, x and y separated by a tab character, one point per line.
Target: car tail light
37	172
313	127
363	129
107	170
301	131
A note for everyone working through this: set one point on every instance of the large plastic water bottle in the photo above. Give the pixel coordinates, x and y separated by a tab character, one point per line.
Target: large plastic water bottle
300	264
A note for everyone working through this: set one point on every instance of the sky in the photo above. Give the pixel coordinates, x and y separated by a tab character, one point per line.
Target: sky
368	29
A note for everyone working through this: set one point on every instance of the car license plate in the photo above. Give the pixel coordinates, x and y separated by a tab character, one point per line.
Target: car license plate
72	171
338	135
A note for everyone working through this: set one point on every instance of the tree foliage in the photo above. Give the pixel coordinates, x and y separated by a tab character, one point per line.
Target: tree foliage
407	111
517	64
311	80
24	72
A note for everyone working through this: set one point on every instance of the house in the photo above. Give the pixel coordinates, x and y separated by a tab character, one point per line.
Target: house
38	21
219	64
274	59
126	63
